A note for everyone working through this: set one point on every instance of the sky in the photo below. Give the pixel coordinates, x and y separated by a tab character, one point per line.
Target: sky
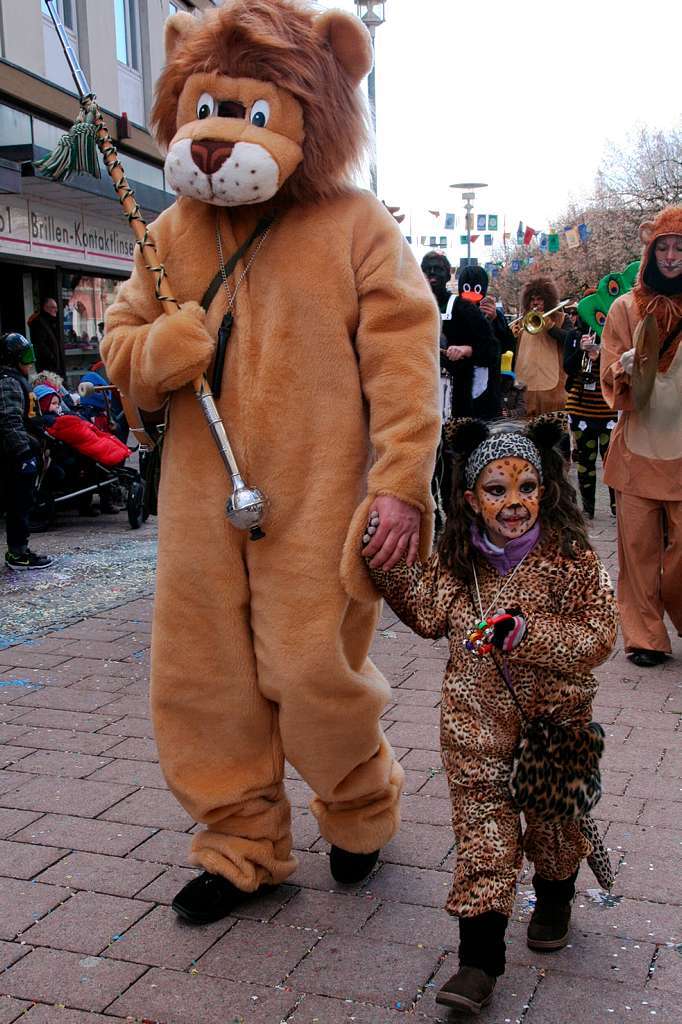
523	96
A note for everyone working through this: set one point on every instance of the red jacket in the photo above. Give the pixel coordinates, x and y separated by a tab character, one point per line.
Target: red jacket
89	440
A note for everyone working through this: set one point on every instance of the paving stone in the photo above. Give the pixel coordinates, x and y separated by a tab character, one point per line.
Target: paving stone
618	808
41	1014
9	732
66	796
313	872
413	713
82	834
423	846
425	737
652	786
10	952
117	876
23	902
165	847
106	684
413	926
149	807
143	774
131	725
427	809
411	885
422	760
640	920
512	994
55	976
420	698
323	1010
126	705
436	785
645	838
86	923
587	955
60	763
48	718
63	739
356	968
64	699
667	972
660	812
12	821
654	875
415	782
20	860
176	998
11	1009
135	748
424	679
323	911
162	939
254	951
559	1000
304	828
20	658
10	781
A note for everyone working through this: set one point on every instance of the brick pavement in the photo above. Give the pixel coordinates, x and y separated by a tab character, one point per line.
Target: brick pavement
92	849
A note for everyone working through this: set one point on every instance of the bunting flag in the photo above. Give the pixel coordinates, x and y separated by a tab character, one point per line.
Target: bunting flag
449	222
542	241
492	222
435	213
506	235
481	222
487	239
528	235
553	242
462	239
432	241
519	233
474	238
572	237
516	266
423	240
443	241
583	232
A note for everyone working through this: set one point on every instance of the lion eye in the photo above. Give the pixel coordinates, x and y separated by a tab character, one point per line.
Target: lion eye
205	106
260	113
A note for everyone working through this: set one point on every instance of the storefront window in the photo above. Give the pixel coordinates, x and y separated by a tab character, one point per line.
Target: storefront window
85	300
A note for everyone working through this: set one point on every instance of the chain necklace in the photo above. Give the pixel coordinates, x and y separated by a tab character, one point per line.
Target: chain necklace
498	595
232	295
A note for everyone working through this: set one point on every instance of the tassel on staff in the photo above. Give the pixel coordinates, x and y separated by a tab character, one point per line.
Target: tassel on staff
76	151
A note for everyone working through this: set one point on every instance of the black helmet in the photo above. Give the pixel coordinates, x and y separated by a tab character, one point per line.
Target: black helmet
16	350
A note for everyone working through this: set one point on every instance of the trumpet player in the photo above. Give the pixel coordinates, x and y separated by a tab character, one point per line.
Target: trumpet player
540	354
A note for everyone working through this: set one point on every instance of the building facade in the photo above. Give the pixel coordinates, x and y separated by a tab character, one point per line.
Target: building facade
70	241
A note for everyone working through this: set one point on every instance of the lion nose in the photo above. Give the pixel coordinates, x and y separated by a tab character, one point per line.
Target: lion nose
210	156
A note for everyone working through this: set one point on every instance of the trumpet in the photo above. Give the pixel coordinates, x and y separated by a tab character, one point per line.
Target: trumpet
86	387
533	322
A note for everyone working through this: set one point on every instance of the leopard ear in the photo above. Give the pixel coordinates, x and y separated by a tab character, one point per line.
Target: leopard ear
461	436
177	29
546	431
646	231
349	41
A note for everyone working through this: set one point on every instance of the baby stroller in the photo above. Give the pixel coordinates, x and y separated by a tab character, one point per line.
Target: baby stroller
70	476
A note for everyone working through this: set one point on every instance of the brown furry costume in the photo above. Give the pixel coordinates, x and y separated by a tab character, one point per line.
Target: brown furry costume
540	359
330	398
644	464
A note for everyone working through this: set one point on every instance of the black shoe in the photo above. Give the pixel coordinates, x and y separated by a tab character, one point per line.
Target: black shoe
646	659
350	868
467	991
549	926
26	560
588	513
207	898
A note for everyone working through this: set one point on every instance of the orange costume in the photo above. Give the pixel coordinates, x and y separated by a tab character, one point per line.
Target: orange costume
644	463
330	399
539	362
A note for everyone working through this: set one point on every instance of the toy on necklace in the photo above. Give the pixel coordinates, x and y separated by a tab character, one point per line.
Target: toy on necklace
480	640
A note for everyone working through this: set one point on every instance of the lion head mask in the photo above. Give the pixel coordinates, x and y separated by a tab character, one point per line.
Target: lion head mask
260	97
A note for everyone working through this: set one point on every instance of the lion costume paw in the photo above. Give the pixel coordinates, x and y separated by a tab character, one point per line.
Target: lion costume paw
178	350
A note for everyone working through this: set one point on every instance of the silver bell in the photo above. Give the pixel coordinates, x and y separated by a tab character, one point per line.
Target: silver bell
246	507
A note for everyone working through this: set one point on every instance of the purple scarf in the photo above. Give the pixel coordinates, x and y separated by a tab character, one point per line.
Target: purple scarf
514	550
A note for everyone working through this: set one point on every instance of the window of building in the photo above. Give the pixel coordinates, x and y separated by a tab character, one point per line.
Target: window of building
15	127
85	299
127	33
66	9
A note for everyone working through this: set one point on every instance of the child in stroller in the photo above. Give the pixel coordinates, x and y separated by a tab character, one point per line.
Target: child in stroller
84	460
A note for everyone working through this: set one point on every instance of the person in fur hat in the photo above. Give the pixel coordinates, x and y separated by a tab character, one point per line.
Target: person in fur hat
330	399
514	552
644	462
540	357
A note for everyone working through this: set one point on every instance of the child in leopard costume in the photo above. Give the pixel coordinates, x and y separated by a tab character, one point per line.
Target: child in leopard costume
514	543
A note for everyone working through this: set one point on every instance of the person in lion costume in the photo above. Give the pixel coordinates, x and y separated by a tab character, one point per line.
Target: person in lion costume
329	393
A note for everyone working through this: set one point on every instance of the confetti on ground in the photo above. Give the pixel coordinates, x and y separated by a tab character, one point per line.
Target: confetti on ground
603	899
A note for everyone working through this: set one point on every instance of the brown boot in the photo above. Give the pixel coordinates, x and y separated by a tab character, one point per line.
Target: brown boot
467	991
549	926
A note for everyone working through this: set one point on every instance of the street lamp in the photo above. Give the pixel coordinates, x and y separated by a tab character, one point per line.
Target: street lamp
467	196
373	14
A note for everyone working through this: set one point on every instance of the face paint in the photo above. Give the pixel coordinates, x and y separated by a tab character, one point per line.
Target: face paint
507	496
436	274
668	251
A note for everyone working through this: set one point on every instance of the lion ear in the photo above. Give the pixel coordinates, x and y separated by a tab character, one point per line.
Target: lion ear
646	231
350	42
178	27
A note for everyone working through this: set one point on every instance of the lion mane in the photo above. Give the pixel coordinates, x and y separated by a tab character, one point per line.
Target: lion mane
539	286
319	59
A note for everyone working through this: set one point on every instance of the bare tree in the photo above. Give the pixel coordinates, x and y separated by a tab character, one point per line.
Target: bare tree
643	177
